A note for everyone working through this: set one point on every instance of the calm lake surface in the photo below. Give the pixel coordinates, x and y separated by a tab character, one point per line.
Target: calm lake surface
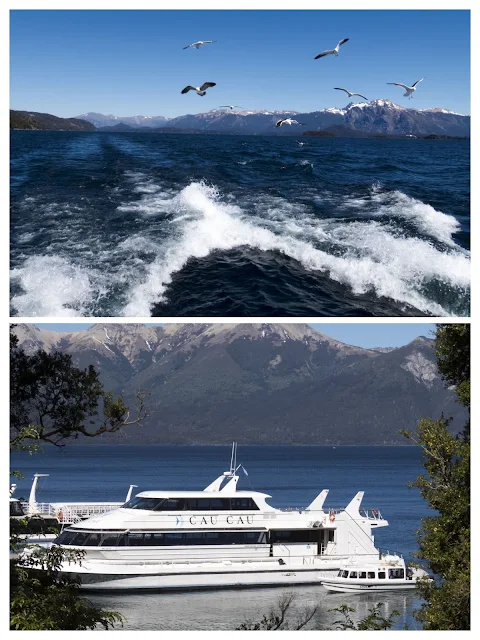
293	476
135	224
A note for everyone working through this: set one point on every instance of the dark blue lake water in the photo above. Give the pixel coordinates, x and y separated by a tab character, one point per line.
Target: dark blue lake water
134	224
293	476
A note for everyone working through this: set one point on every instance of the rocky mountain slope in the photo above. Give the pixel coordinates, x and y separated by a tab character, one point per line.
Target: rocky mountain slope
257	383
375	117
46	122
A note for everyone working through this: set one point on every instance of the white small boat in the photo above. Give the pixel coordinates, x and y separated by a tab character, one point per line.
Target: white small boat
388	573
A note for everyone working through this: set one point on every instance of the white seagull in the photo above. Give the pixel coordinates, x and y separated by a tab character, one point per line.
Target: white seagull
290	121
349	93
330	52
229	106
409	90
200	90
198	44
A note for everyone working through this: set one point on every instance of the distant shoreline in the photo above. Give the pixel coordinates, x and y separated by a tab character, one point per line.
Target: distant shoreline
309	134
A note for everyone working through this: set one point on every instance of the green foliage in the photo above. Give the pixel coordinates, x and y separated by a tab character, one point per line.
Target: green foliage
41	598
372	622
452	347
50	402
444	539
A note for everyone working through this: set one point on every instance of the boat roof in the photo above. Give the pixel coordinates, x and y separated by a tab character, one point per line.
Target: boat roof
202	494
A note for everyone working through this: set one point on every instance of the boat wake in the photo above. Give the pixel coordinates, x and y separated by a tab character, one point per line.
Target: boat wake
384	244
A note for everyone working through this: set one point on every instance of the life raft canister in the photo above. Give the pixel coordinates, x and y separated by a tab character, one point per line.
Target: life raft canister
331	516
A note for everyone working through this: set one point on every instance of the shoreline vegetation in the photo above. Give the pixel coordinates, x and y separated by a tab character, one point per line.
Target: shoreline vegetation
34	121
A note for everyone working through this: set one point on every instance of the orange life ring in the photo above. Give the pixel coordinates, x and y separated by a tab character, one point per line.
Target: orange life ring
331	516
60	516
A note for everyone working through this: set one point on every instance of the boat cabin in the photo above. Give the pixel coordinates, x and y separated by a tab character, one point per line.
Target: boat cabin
377	573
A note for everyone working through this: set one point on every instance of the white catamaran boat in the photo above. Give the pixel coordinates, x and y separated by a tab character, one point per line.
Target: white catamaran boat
218	537
388	573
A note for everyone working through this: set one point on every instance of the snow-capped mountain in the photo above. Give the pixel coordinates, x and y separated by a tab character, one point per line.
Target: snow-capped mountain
373	117
100	120
376	116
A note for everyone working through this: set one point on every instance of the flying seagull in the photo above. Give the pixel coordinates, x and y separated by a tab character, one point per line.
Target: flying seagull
198	44
330	52
280	123
409	90
349	93
229	106
200	90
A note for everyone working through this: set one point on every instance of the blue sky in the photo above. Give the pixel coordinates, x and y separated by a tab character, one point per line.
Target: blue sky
358	334
132	62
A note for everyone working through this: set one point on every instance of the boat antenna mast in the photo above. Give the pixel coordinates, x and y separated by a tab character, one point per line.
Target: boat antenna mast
233	460
231	475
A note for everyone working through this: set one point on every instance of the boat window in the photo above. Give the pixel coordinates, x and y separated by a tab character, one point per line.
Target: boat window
155	504
362	574
339	574
207	504
196	538
109	540
79	538
294	535
173	504
331	535
239	504
371	575
396	574
16	509
218	503
156	539
381	575
93	540
66	537
353	574
135	539
212	535
122	540
148	504
344	574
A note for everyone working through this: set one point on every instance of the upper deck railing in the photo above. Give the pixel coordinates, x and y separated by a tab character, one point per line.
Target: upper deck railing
70	513
370	514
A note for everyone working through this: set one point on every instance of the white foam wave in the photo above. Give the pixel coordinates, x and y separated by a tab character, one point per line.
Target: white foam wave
368	256
396	204
52	286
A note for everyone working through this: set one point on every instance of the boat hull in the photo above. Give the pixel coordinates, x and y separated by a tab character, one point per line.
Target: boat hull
193	582
362	588
206	576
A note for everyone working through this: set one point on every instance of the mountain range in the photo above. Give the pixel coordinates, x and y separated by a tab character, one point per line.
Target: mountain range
257	383
376	117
